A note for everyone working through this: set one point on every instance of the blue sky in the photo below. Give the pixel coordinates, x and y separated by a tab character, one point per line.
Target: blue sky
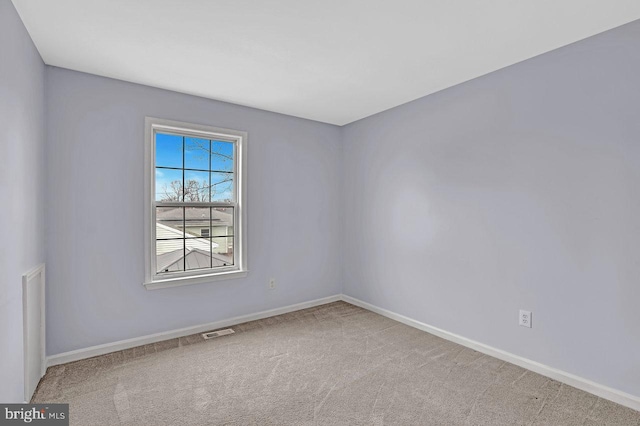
169	150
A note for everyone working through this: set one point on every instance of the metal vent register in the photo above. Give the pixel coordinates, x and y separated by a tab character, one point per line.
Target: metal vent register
214	334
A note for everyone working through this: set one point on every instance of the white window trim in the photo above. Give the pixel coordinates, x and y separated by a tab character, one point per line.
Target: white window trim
154	281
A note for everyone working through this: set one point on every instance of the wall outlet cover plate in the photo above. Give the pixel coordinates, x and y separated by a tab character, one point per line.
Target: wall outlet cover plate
524	319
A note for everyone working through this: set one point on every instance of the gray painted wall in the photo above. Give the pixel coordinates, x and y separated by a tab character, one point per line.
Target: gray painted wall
94	224
519	189
21	187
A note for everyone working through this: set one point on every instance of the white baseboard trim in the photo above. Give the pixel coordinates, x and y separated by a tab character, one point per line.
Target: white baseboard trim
586	385
106	348
597	389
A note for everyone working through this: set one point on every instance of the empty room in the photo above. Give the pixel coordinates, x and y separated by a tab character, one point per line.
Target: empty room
354	212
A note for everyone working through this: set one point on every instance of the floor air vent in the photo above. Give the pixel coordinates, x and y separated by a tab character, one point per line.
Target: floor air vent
213	334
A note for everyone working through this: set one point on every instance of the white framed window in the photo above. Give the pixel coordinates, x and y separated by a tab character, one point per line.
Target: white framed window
195	203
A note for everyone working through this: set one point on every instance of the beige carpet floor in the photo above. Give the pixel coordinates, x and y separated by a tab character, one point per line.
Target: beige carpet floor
335	364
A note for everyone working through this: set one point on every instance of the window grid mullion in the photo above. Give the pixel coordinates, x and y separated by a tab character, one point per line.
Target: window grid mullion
184	213
195	204
210	209
190	238
193	170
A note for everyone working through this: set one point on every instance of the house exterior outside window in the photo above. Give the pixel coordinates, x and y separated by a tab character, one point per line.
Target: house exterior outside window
195	203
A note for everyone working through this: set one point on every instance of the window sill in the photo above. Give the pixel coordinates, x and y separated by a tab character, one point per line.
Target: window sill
198	279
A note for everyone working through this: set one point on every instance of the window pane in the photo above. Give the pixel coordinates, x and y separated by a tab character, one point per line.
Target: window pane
168	185
221	221
169	223
197	219
222	233
198	248
196	186
198	253
221	156
193	238
222	251
169	239
168	150
169	256
205	253
196	153
222	186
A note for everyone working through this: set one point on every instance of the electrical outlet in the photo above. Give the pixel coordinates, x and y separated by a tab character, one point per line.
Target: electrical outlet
272	284
525	318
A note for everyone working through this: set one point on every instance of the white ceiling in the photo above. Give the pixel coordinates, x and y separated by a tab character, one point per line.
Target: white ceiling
334	61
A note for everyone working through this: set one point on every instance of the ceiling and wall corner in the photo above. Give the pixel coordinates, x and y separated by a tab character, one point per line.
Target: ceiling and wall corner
334	61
